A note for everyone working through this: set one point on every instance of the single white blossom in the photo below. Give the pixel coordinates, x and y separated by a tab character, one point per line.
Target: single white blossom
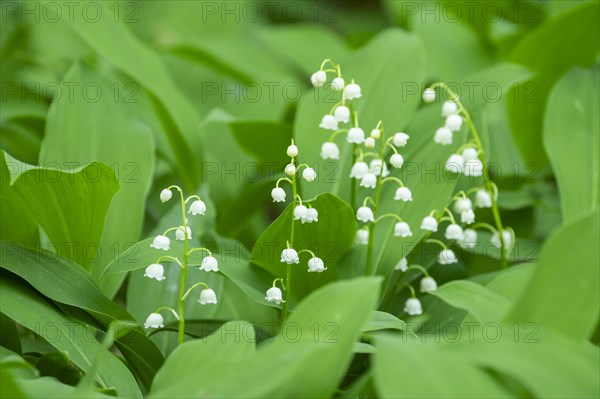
462	204
359	170
309	174
165	195
400	139
329	122
312	215
443	136
413	307
290	169
467	217
278	194
154	320
352	91
207	296
449	108
365	214
455	164
470	239
355	135
402	265
209	264
292	151
161	242
429	223
342	114
473	168
338	84
375	133
300	212
429	95
454	232
362	236
180	233
376	167
198	207
469	154
369	180
316	265
370	142
397	161
318	78
289	256
454	122
155	271
274	294
447	257
428	284
506	236
402	229
483	199
330	150
403	194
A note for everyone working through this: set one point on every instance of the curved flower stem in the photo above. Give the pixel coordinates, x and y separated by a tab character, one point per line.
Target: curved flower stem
369	267
191	251
484	226
450	216
193	197
167	231
420	268
171	258
339	131
282	179
309	251
488	181
169	309
192	287
275	283
392	178
435	241
389	215
412	291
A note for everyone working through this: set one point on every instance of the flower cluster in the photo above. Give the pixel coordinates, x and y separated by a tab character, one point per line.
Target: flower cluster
162	242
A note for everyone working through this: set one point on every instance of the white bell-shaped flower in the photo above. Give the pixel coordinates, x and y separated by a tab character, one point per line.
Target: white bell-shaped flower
462	204
362	237
365	214
161	242
429	95
402	229
370	142
352	91
309	174
443	136
470	239
207	296
455	164
454	122
300	212
316	265
330	150
359	170
473	168
469	154
375	165
338	84
209	264
402	265
355	135
342	114
180	234
483	199
312	215
289	256
290	169
428	284
198	207
397	161
375	133
329	122
467	217
155	271
274	294
447	257
454	232
449	108
400	139
413	307
165	195
506	236
403	194
154	320
278	194
292	151
429	223
318	78
369	180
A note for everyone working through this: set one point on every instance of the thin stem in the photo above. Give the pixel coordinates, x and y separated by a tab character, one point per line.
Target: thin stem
309	251
191	251
419	267
450	215
275	283
412	290
169	309
389	215
435	241
171	258
367	199
484	226
288	271
183	273
339	131
167	231
393	147
392	178
281	179
192	197
369	267
192	287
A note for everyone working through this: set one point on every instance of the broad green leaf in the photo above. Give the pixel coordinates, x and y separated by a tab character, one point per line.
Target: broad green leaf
571	127
67	283
58	365
567	278
328	238
30	309
69	206
252	136
549	52
408	368
479	301
9	336
385	321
